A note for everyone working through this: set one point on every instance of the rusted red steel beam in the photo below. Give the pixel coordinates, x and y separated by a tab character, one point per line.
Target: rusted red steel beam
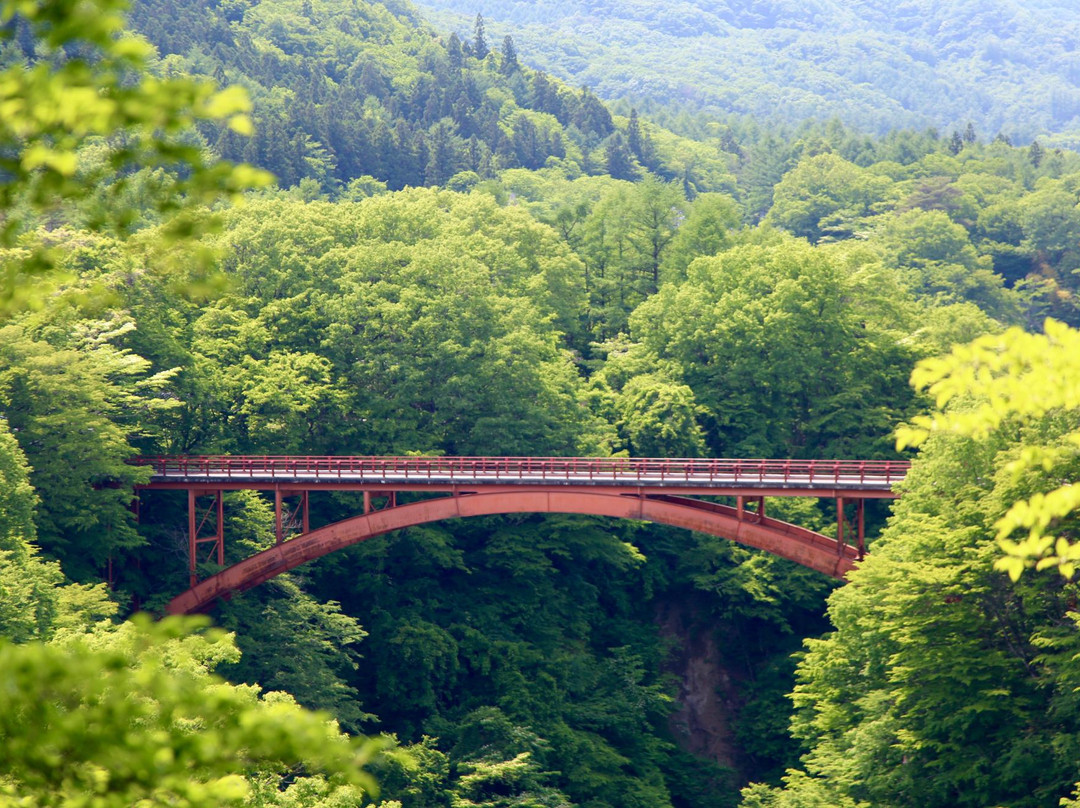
788	541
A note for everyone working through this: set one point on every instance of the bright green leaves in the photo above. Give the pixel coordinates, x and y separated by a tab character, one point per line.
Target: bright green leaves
658	417
52	108
1015	373
825	197
134	718
75	405
932	648
1020	378
1037	515
434	317
777	346
285	396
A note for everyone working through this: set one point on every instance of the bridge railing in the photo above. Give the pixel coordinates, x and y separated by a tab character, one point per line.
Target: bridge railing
539	469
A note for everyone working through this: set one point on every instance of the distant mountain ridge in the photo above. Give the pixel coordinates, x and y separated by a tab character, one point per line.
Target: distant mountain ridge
1002	65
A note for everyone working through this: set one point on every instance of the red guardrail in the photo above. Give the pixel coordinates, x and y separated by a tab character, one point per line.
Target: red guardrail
617	469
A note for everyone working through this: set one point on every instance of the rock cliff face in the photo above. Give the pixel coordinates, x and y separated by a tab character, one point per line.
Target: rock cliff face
708	700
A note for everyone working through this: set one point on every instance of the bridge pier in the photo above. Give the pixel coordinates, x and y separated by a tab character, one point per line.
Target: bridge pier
860	525
300	515
195	527
740	507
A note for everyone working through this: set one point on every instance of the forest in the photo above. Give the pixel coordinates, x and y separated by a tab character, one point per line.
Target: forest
873	64
325	227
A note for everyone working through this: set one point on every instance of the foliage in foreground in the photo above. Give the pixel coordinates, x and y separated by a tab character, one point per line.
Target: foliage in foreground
1030	377
80	116
945	684
134	717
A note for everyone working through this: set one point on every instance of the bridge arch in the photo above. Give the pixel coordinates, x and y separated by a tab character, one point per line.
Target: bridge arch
788	541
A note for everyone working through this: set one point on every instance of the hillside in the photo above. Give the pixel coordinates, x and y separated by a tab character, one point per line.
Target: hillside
1004	66
357	91
568	281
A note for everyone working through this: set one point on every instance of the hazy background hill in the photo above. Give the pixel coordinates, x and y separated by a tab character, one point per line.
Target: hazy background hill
1005	66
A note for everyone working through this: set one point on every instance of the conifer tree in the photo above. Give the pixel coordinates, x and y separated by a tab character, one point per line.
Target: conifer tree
454	52
620	162
510	63
480	46
639	142
1035	153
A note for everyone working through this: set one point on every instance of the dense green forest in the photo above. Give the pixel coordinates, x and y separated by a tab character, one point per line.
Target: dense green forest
876	65
453	253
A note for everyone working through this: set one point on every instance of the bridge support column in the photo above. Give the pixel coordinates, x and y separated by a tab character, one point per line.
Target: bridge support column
860	526
195	527
290	519
279	533
741	511
389	500
859	516
839	525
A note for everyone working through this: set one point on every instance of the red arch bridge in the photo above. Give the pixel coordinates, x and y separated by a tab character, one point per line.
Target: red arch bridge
654	490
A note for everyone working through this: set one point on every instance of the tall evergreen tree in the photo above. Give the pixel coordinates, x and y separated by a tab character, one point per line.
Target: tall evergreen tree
454	52
1035	153
619	160
593	116
639	142
480	45
509	57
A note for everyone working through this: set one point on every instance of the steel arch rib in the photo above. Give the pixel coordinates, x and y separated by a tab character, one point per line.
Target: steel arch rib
780	538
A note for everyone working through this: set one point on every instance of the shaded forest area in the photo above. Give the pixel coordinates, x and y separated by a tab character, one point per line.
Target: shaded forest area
462	255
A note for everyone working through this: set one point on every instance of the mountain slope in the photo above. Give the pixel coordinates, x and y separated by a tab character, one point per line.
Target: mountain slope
1005	66
346	90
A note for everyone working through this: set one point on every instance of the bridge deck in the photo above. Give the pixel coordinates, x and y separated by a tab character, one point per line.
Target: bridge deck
859	477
